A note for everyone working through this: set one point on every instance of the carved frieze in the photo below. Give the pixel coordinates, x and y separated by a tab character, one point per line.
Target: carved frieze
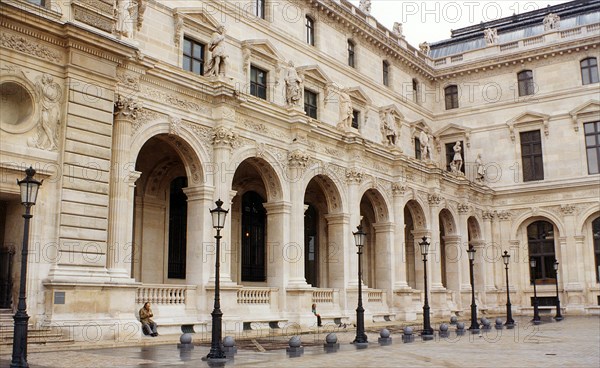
174	125
567	209
463	208
354	176
128	79
96	13
174	100
298	158
434	199
398	189
144	117
29	47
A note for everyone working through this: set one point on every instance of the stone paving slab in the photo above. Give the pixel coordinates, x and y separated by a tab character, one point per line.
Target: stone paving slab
574	342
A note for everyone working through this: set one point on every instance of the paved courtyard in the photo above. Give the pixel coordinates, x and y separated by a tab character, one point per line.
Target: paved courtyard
574	342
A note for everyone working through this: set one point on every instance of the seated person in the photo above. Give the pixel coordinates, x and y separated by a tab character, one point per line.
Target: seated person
314	311
148	325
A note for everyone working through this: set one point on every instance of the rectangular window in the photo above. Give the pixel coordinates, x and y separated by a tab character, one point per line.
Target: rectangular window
258	82
451	94
37	2
351	50
531	155
450	155
526	86
355	119
310	103
589	71
386	73
193	56
310	31
417	148
592	146
260	8
415	90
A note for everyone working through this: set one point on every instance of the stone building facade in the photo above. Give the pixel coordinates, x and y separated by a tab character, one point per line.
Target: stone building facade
306	119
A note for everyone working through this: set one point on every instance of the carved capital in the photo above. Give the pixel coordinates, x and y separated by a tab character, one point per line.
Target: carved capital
141	9
434	199
298	158
504	215
224	137
126	108
354	176
567	209
398	189
463	208
488	215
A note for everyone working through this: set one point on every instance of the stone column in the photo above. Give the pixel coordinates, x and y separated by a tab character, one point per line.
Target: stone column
337	274
120	205
294	245
200	234
435	257
283	258
398	265
384	237
490	284
454	264
353	178
223	141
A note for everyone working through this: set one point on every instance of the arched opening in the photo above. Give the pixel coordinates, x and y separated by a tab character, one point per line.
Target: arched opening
160	214
369	254
414	230
311	245
540	241
442	250
596	239
375	219
409	248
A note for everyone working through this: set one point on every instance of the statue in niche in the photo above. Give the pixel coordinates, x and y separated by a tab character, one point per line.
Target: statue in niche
388	123
293	84
457	161
365	6
480	174
216	65
425	146
49	94
397	30
491	36
346	110
425	48
551	22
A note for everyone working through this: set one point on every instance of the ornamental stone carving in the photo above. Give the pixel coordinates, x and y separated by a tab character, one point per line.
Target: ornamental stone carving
224	137
480	170
178	25
298	158
488	215
365	6
457	161
397	30
49	94
293	86
354	176
29	47
346	110
434	199
126	108
551	22
141	9
218	61
388	128
174	125
425	48
425	142
503	215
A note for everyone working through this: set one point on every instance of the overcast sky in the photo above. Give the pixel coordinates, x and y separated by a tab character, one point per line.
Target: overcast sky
432	20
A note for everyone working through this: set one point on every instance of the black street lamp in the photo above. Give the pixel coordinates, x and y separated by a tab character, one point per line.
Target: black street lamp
361	338
427	333
474	325
558	316
216	351
536	313
510	323
29	190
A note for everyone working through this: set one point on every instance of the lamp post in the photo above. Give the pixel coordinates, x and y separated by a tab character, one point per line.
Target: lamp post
427	333
474	325
361	338
536	313
510	323
216	351
29	189
558	316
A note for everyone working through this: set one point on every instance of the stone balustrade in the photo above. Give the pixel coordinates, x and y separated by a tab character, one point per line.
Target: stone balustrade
321	296
163	294
254	295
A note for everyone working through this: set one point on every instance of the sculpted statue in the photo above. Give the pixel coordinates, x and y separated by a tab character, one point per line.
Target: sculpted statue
388	129
491	36
346	110
293	86
480	175
124	12
457	161
365	6
425	48
49	94
425	147
216	65
398	29
551	21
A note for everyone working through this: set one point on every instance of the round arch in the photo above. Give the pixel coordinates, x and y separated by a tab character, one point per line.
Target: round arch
331	188
266	167
447	218
529	217
378	201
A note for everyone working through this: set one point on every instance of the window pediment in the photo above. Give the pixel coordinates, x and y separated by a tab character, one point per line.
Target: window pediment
315	73
419	126
395	111
454	132
261	49
359	96
528	120
197	18
588	111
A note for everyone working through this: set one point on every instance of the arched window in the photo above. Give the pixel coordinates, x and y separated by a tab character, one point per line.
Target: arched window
526	86
451	94
351	51
596	235
589	70
254	225
310	30
540	239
